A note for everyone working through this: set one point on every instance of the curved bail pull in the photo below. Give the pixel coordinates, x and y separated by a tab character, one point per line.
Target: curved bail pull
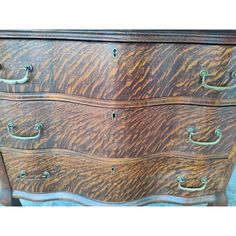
192	132
27	68
182	179
11	126
204	74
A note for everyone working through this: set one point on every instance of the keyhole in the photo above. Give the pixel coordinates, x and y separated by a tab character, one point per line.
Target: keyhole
113	169
113	116
114	52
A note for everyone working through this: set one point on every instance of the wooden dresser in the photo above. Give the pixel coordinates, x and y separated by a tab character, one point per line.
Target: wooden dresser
117	117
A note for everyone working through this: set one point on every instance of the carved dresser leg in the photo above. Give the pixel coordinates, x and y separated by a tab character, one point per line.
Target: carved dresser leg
16	202
5	188
221	200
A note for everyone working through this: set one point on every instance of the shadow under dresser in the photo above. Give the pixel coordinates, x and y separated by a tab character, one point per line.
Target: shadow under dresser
120	118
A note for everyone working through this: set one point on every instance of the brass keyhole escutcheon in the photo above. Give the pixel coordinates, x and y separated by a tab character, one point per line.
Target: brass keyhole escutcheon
115	52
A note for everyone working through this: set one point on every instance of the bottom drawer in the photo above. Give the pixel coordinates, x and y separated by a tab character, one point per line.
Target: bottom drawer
113	180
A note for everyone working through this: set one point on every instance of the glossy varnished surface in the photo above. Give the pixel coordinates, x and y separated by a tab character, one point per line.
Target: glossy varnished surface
115	127
118	133
140	70
113	180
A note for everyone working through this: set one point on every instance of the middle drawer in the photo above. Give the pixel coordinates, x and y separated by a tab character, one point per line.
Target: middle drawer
117	133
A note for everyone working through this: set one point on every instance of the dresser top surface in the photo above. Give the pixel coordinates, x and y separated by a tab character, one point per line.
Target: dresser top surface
161	36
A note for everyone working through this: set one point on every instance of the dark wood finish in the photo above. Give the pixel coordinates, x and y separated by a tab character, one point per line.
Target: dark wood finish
5	188
116	180
157	36
16	202
139	132
140	71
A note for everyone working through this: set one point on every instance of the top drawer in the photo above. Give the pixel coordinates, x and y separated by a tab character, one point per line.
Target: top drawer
120	71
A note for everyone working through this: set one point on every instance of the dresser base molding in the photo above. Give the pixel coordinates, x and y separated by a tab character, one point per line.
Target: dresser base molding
211	200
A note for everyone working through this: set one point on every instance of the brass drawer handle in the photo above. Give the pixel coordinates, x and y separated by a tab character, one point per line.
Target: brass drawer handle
24	176
182	179
204	74
192	132
27	68
10	127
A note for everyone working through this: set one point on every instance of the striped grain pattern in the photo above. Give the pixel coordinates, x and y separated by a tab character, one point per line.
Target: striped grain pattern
118	133
104	138
115	103
17	53
140	70
115	180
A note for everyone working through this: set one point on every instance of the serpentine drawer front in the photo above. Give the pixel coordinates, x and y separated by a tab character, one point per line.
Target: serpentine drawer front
114	180
117	117
133	132
119	71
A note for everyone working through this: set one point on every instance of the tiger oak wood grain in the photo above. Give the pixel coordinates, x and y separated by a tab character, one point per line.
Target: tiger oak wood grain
17	53
114	128
115	180
136	132
140	71
115	103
